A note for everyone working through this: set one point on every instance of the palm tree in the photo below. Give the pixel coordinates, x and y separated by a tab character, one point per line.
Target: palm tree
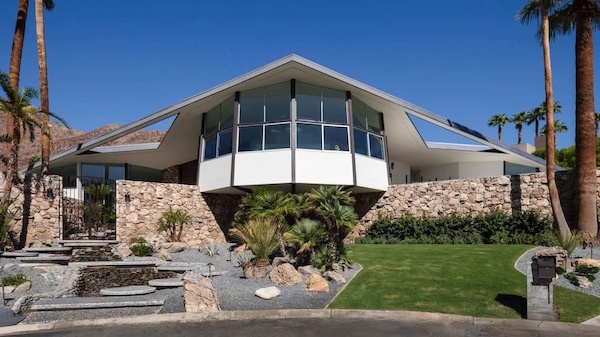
333	206
518	120
15	68
559	127
534	116
539	10
307	234
43	68
499	120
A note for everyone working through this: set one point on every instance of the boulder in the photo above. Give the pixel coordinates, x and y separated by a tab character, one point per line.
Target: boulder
583	282
9	289
165	255
174	247
198	245
308	270
201	297
316	283
191	277
334	276
240	249
286	275
562	256
252	271
23	287
587	262
124	251
267	293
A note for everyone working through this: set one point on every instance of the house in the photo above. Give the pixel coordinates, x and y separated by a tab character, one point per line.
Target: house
291	125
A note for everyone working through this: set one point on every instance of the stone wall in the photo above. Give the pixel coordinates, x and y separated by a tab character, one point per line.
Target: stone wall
211	214
38	219
468	196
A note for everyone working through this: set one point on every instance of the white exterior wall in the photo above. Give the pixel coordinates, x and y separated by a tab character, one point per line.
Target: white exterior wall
481	169
371	173
215	173
442	172
400	172
324	167
263	167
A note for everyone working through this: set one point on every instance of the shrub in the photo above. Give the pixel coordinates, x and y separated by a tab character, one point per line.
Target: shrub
306	234
6	216
139	240
259	235
171	222
585	269
568	242
14	280
141	249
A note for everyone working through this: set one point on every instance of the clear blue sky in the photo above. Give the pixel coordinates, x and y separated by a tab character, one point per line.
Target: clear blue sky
115	61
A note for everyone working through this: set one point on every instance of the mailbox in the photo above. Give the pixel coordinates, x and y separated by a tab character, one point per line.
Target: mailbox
546	268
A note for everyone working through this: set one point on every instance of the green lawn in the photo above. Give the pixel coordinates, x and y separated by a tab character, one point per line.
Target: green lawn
475	280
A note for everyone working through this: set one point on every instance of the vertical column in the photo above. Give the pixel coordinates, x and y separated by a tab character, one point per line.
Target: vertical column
385	147
234	137
293	114
351	134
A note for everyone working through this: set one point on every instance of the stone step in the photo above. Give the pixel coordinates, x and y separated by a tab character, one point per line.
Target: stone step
71	303
166	282
121	264
60	259
127	291
54	250
19	253
85	244
183	267
110	242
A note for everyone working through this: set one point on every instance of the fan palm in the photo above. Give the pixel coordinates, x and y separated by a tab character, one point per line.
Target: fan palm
500	121
307	234
518	120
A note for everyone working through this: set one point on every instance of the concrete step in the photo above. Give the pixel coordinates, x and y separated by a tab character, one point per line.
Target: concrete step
121	264
49	250
85	244
59	259
19	253
183	267
166	282
127	291
110	242
72	303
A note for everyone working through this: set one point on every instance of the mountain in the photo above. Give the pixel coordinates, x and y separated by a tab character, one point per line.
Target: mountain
64	138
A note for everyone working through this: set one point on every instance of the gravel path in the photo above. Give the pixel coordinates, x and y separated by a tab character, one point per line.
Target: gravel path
594	290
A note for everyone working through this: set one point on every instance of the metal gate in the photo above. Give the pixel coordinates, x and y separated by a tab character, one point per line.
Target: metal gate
89	210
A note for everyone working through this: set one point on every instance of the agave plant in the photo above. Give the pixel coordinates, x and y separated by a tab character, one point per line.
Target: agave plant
171	222
260	236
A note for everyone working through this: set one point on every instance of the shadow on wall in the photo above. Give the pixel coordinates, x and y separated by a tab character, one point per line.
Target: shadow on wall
366	201
223	207
515	193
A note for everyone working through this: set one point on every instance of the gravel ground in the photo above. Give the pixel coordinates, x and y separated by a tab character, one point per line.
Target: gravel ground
594	290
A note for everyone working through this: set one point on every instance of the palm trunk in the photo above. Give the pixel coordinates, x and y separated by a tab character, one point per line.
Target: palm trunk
519	134
499	133
44	100
585	143
332	242
15	70
559	216
537	122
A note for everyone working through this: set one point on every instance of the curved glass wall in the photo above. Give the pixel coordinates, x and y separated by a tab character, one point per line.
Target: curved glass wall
218	130
368	124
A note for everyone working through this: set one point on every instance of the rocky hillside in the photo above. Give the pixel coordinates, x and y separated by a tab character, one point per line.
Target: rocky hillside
64	138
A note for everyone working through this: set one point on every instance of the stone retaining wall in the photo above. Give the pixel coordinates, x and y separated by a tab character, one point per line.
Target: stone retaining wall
468	196
211	214
38	219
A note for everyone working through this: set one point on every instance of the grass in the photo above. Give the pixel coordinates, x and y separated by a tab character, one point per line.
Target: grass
475	280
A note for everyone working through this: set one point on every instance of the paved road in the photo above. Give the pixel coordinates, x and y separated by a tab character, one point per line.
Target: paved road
305	328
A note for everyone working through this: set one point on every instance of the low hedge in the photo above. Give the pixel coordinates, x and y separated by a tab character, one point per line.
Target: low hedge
495	227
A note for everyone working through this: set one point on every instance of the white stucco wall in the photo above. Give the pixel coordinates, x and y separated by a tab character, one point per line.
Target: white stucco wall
215	173
480	169
263	167
400	173
371	173
323	167
441	172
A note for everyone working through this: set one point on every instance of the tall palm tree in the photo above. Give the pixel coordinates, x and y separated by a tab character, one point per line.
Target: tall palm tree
15	69
539	10
43	69
500	121
559	127
518	120
534	116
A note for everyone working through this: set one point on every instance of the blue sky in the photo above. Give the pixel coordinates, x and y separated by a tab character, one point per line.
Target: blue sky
115	61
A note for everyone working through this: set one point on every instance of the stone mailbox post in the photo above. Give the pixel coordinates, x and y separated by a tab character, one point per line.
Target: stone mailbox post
540	293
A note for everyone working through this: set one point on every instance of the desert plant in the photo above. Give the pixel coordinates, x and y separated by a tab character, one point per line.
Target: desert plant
139	240
306	234
243	258
14	280
585	269
212	251
6	216
97	212
171	222
141	249
567	242
260	236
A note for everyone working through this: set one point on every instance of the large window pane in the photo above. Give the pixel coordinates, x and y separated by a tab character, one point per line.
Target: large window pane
373	120
211	121
227	114
308	101
334	106
92	170
250	138
225	139
359	113
376	146
336	138
210	147
116	172
252	105
309	136
360	142
277	102
277	136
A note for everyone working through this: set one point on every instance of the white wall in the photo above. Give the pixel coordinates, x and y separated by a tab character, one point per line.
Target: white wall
441	172
371	173
263	167
215	173
481	169
324	167
400	172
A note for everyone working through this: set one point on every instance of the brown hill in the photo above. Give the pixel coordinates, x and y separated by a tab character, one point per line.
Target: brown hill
64	138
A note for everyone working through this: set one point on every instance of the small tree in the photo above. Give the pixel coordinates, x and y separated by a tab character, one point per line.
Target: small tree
171	222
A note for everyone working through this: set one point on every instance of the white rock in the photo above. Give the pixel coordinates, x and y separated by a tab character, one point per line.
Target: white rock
267	293
23	287
165	255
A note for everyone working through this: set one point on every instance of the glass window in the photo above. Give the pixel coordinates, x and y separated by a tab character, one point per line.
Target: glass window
336	138
277	102
309	136
252	106
308	101
334	106
360	142
211	121
376	146
277	136
210	147
226	118
116	172
225	139
359	113
373	120
68	173
92	170
140	173
250	138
